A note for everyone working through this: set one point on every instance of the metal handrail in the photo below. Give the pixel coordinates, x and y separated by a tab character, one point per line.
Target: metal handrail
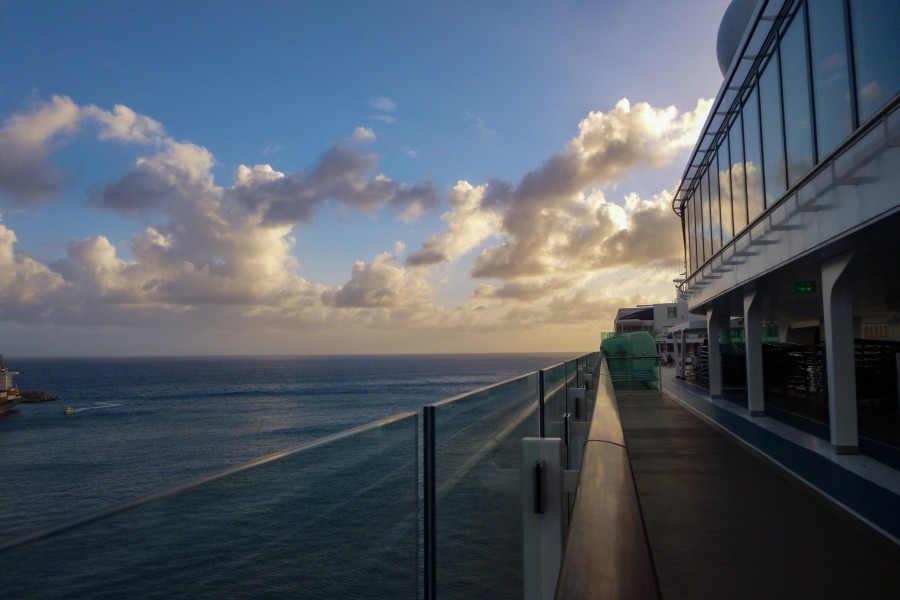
607	554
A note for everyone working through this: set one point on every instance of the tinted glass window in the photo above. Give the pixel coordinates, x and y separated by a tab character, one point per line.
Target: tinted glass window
830	75
753	157
712	175
725	192
689	238
772	136
738	183
795	85
876	47
698	230
691	235
707	215
702	225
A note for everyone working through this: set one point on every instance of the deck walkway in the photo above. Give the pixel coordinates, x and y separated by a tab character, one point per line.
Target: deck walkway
723	521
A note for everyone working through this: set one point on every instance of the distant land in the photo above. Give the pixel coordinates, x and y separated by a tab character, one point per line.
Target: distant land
34	397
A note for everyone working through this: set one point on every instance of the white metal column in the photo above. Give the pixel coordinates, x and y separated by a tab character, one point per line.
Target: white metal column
756	400
837	298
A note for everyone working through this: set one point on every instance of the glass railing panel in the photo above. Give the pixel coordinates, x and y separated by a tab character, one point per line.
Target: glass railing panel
477	493
573	368
571	373
335	518
554	401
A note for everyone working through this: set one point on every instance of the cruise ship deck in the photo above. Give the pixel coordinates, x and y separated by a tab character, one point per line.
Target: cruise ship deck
745	507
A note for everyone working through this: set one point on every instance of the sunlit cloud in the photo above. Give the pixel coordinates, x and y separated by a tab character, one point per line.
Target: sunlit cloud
557	220
223	254
383	283
26	282
363	134
469	224
125	125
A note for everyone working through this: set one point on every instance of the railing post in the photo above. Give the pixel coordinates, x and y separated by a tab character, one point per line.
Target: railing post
542	516
429	518
580	403
577	427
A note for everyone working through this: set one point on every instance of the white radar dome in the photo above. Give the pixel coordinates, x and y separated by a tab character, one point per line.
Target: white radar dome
731	31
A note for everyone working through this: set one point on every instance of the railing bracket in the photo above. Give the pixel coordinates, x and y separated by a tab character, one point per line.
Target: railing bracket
539	480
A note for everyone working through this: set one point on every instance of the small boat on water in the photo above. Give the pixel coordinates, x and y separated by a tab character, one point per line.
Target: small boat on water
68	410
9	393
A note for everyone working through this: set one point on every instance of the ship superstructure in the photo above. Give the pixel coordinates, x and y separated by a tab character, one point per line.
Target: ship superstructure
9	393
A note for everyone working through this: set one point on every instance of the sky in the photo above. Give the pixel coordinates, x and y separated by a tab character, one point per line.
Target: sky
308	177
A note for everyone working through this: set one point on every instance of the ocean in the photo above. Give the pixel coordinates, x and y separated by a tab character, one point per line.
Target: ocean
142	424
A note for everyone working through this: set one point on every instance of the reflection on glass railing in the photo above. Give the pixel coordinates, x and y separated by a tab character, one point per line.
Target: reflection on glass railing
335	518
477	495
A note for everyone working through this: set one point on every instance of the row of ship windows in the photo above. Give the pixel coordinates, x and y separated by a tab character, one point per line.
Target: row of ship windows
832	65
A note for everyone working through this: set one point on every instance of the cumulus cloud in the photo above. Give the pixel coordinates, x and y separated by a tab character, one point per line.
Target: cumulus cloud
180	173
216	254
204	254
246	176
125	125
203	245
469	223
26	141
343	174
26	282
383	283
363	134
585	234
557	220
609	146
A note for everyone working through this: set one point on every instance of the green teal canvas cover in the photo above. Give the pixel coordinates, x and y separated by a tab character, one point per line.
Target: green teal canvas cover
632	361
